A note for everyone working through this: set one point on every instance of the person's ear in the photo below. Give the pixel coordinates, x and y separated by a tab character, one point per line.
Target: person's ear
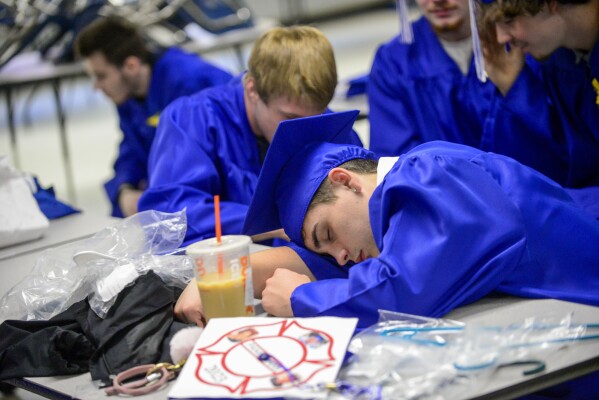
131	65
343	177
250	89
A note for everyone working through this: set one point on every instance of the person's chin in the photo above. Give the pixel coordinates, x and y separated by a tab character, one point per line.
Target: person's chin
118	101
448	25
537	55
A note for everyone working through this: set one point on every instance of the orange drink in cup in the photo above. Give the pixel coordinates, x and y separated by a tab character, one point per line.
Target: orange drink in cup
224	276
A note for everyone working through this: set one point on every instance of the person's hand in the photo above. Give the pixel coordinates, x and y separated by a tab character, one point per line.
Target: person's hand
188	308
128	199
266	262
503	63
503	66
276	297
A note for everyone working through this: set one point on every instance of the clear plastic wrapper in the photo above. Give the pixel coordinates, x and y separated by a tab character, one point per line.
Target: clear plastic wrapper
410	357
101	266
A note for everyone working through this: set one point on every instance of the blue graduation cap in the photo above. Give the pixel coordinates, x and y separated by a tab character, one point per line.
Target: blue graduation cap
298	160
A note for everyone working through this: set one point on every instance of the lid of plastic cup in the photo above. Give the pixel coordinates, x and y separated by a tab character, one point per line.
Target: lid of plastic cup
228	243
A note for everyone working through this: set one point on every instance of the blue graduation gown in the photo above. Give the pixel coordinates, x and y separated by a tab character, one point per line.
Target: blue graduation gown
174	74
557	99
205	146
454	224
417	94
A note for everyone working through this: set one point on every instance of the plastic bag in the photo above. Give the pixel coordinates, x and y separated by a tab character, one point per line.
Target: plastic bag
21	219
411	357
101	266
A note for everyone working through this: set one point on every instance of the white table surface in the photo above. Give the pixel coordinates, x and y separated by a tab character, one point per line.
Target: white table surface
62	230
72	386
567	363
17	261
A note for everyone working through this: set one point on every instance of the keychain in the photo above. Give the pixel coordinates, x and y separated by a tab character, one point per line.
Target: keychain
156	376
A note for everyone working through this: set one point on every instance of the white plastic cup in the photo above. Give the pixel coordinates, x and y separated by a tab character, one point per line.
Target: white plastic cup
224	276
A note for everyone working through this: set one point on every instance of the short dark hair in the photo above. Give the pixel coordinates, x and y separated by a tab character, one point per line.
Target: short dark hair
115	38
489	13
505	9
325	194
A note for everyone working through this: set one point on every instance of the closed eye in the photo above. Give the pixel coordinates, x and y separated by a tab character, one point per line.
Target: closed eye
315	237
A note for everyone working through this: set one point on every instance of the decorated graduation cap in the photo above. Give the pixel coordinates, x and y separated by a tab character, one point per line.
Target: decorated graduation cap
299	159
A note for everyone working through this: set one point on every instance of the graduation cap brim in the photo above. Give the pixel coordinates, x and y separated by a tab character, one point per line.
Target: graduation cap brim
290	137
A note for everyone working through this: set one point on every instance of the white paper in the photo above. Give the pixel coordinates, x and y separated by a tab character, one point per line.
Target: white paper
261	357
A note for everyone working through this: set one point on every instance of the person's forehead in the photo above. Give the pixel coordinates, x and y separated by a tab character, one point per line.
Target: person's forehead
97	62
287	105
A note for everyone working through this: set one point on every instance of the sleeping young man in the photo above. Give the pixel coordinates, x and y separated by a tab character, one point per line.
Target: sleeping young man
434	229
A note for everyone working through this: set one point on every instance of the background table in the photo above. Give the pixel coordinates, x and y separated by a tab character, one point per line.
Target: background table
14	77
61	230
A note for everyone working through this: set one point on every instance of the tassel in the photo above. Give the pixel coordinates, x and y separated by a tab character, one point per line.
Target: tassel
479	60
406	35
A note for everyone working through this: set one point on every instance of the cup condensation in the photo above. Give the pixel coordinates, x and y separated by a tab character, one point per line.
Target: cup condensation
224	276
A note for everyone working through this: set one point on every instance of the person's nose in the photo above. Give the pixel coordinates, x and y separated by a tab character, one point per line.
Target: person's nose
503	35
341	255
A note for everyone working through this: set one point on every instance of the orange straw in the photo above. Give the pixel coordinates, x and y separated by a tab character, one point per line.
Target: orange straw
217	218
218	231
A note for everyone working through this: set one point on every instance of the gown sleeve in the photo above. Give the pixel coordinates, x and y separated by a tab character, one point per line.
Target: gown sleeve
321	267
523	125
130	166
392	131
184	171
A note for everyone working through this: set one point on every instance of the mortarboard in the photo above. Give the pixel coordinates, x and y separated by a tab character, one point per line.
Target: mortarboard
298	160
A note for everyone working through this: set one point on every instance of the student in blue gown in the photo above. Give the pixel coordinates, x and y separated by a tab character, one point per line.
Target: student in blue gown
429	90
439	227
214	142
141	82
563	86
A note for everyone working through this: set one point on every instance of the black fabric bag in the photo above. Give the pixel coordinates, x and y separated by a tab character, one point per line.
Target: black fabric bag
136	330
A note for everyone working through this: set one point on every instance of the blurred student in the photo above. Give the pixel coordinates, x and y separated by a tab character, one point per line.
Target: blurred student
141	81
562	87
437	228
429	90
214	142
